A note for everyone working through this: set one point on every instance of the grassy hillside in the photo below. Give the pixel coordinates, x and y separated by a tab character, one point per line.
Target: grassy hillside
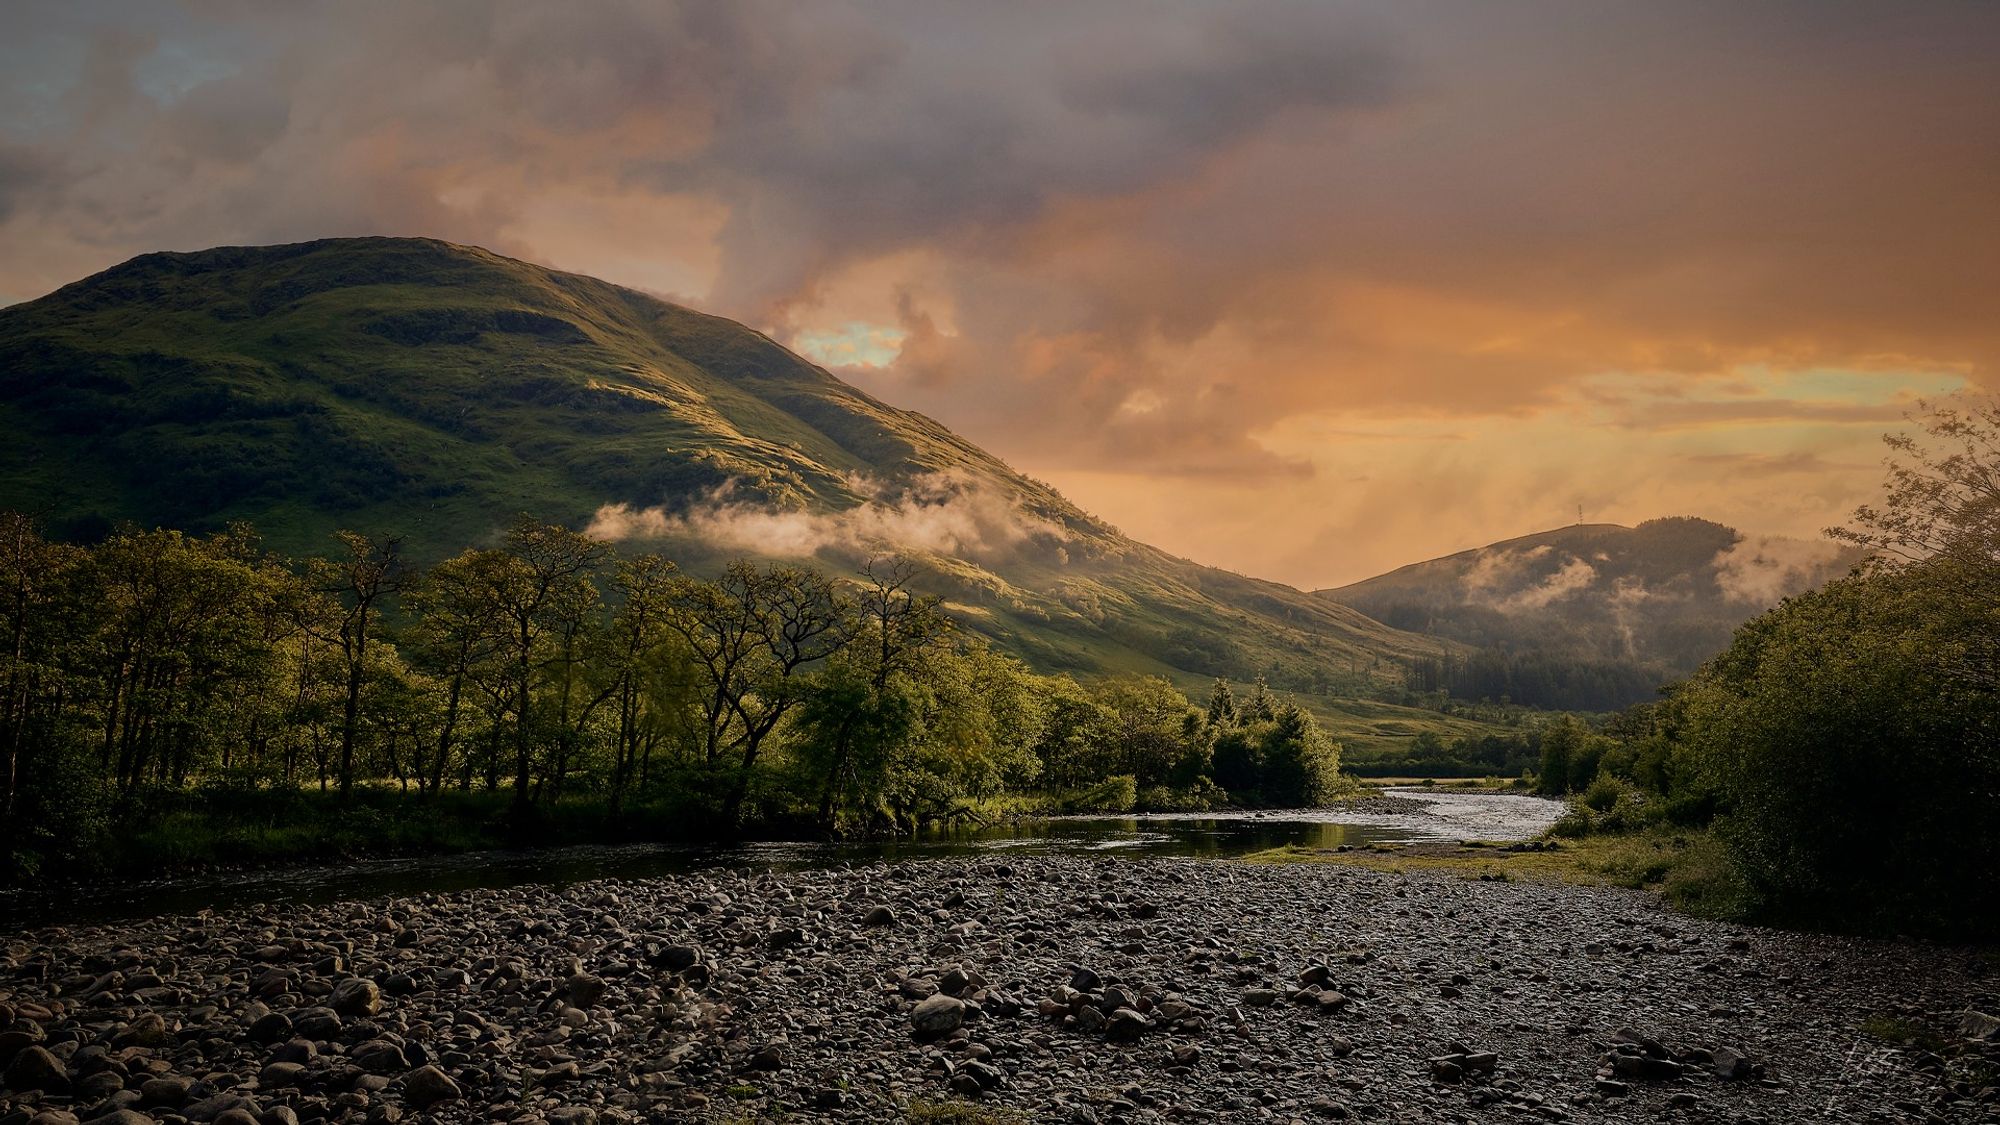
418	388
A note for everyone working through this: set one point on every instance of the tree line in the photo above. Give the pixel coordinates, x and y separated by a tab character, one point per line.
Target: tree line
544	673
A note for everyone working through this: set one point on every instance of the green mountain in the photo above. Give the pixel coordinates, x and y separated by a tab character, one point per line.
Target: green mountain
433	391
1641	605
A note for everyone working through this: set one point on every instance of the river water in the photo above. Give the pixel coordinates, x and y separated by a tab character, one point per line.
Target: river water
1436	815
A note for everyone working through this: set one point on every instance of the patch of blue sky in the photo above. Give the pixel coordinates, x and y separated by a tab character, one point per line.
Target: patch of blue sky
854	344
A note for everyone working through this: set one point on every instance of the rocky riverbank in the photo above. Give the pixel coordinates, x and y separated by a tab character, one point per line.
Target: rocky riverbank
1061	989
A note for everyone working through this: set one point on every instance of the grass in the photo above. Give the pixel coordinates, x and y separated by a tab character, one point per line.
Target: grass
958	1113
1901	1032
1372	785
1688	869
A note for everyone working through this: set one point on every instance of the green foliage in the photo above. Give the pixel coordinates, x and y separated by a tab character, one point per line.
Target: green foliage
1112	795
186	700
1285	761
1849	737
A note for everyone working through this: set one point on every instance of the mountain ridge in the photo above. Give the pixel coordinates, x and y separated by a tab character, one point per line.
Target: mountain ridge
1659	597
420	388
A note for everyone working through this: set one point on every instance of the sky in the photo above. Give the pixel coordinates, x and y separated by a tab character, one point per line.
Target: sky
1305	290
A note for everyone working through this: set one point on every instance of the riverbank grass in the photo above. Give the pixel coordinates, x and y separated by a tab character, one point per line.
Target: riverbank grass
958	1113
1689	869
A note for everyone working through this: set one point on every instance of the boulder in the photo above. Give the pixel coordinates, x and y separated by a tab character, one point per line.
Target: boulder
938	1015
426	1086
34	1068
355	996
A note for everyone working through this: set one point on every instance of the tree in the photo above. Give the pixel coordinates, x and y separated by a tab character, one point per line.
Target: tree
749	636
1261	708
643	665
864	704
1301	764
1942	509
537	587
368	573
1943	489
1221	704
454	639
1563	750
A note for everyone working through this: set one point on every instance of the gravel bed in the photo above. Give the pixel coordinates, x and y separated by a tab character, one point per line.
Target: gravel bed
1066	989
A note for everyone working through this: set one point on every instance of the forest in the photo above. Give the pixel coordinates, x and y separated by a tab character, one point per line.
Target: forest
167	698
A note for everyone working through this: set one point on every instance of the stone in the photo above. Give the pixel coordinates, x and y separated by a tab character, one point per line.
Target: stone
355	996
678	958
316	1023
1730	1064
585	989
34	1068
270	1027
169	1090
279	1075
1645	1068
377	1056
149	1030
426	1086
122	1117
938	1015
1646	1043
214	1106
1978	1026
1126	1026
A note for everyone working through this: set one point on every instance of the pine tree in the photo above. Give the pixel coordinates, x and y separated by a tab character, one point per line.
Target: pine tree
1221	705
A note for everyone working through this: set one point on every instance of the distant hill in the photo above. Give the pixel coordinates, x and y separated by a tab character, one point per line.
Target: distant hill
414	387
1625	607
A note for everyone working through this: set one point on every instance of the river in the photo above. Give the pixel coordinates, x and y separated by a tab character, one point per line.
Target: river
1427	815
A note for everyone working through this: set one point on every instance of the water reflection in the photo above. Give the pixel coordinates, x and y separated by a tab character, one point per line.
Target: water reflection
1199	836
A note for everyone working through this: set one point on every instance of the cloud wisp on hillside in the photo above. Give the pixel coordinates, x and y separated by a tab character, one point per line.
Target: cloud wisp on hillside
934	513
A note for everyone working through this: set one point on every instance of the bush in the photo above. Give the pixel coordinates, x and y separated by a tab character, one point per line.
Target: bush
1848	737
1201	796
1113	794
